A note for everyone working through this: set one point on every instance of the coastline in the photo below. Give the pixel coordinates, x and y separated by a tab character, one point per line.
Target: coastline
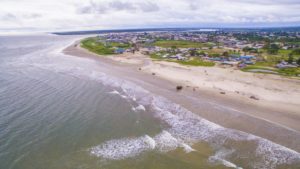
273	120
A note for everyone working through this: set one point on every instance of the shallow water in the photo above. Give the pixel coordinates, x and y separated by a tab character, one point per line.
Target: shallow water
60	111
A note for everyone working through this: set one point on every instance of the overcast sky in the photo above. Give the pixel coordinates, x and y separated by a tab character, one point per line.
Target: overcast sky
56	15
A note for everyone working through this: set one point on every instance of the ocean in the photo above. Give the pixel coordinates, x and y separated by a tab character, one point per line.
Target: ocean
60	112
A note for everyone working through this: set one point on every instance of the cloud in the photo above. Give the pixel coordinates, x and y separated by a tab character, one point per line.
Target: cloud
116	5
49	15
119	5
8	17
270	2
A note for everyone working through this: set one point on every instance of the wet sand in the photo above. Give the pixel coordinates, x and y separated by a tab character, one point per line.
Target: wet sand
264	118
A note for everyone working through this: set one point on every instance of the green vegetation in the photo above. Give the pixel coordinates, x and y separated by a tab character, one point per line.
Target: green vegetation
283	54
249	50
296	52
269	65
264	68
180	44
257	67
215	52
159	55
289	71
195	62
191	62
272	48
266	64
102	48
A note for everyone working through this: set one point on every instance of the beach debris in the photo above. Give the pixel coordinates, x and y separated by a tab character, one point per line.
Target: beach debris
153	74
194	89
222	93
254	97
140	68
179	88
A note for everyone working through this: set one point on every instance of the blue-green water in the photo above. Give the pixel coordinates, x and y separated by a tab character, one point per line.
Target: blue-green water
59	112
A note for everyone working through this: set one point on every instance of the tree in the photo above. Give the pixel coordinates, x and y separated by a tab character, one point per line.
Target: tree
201	53
193	52
215	55
259	53
296	51
226	54
298	61
246	49
273	49
173	48
290	59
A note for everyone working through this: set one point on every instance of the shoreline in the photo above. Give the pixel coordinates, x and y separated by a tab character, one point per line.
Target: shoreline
229	110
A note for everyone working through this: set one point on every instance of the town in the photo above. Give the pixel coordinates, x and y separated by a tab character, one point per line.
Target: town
274	52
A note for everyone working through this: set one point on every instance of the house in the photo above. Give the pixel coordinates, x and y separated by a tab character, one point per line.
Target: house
284	64
242	65
247	57
165	56
215	59
173	56
119	51
179	57
231	63
248	62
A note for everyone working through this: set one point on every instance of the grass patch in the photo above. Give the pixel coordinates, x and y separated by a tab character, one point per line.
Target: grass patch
293	72
180	44
158	55
190	62
98	47
282	54
253	67
269	64
289	72
195	62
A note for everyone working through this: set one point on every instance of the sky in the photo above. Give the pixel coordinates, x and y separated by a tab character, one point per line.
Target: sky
68	15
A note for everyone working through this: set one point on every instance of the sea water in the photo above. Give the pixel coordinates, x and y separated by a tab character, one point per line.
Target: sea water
59	112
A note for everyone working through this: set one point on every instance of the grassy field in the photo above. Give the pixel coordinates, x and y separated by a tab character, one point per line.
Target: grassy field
93	45
190	62
263	68
195	62
180	44
282	54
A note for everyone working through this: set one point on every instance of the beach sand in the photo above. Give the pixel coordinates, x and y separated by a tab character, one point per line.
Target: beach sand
219	95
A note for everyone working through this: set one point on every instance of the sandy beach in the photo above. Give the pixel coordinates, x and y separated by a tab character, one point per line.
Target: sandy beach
264	105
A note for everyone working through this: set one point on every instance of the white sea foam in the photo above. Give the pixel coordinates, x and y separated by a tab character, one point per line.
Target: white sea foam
123	148
139	108
151	142
187	148
129	147
166	142
114	92
123	96
220	156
